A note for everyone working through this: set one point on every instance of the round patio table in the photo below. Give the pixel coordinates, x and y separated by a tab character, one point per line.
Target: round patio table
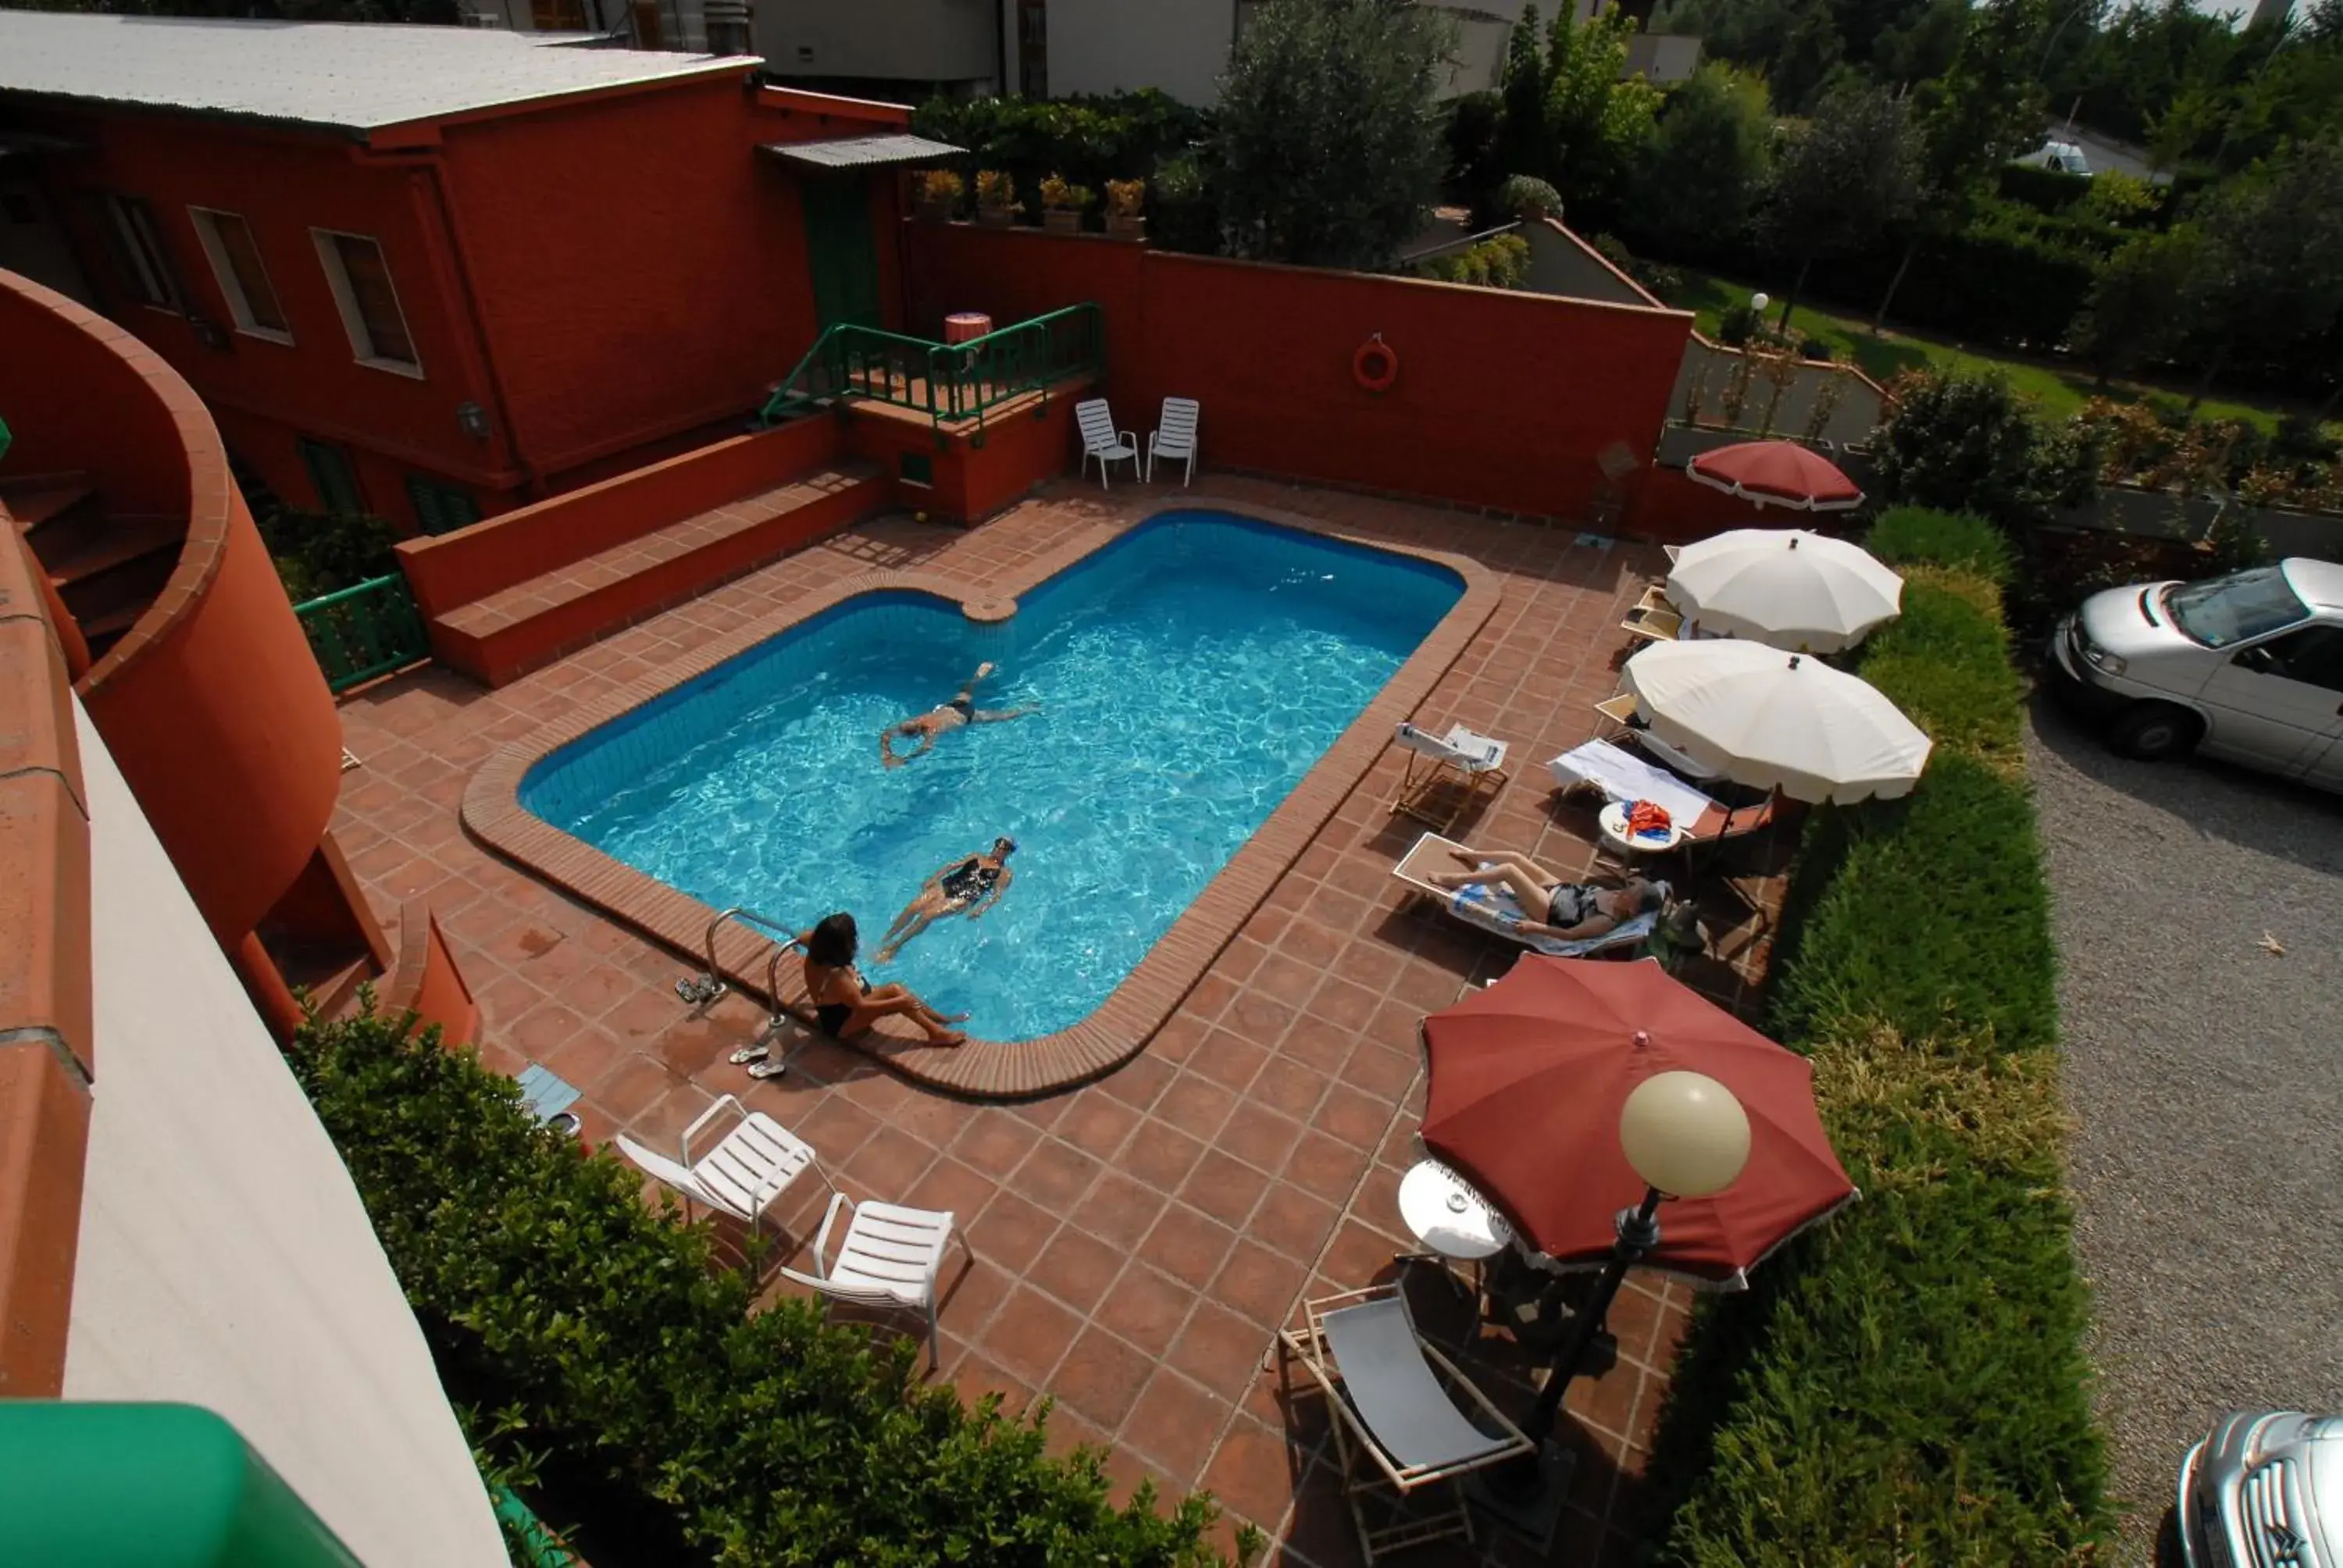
1613	820
962	326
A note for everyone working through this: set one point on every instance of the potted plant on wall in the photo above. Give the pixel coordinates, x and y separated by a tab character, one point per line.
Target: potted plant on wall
996	198
1062	205
938	194
1126	202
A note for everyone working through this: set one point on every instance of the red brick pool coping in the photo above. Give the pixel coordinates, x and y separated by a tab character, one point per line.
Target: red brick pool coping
1120	1026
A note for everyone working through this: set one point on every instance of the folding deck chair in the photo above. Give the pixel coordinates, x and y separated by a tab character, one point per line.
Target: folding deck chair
1397	1427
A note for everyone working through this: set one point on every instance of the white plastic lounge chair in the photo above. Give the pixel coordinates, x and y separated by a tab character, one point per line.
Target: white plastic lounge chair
1652	625
1102	441
1390	1391
1174	436
743	1175
1492	907
1461	756
1618	774
889	1257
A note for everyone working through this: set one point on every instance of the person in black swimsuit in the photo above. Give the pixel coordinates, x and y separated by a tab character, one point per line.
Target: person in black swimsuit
845	1004
966	886
1554	906
960	710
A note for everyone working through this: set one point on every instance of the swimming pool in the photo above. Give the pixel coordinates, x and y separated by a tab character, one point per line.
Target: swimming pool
1188	674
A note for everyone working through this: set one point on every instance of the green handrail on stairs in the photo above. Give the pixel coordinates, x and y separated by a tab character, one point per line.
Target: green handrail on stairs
947	382
366	629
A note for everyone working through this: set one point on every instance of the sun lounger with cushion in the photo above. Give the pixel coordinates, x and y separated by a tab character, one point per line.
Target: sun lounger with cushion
1492	907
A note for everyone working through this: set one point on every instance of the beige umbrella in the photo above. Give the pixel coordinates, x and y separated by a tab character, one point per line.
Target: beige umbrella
1776	720
1790	587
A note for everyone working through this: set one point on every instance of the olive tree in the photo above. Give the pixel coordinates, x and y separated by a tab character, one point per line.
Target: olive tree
1329	147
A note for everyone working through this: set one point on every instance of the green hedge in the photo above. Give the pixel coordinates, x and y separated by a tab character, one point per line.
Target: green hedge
1906	1384
600	1331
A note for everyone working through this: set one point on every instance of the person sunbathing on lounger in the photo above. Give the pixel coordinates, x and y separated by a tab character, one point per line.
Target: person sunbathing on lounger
1571	911
961	710
966	886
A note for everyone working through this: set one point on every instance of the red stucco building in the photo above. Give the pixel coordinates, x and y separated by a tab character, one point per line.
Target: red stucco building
434	272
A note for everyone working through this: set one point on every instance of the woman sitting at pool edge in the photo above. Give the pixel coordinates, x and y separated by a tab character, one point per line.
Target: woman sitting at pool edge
846	1005
1551	906
967	886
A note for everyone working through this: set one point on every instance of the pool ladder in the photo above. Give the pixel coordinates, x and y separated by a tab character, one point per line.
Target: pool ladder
708	986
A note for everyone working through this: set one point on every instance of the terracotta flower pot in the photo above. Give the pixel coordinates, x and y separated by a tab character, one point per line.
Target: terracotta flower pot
1057	220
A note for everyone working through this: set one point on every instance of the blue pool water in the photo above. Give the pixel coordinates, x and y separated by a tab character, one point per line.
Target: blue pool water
1188	674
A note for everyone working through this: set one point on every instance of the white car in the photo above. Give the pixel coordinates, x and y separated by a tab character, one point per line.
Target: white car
2265	1488
2059	158
2247	667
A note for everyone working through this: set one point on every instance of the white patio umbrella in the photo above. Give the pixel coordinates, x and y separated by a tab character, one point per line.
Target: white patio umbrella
1790	587
1776	720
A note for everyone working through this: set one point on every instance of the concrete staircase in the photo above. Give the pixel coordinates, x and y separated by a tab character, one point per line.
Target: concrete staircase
497	630
107	566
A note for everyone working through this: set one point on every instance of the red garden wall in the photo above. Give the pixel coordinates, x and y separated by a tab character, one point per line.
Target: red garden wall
1503	400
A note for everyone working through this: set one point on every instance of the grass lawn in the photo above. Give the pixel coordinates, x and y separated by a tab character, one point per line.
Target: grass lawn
2057	393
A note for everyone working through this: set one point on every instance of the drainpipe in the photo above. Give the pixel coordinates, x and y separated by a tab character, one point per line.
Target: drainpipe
437	218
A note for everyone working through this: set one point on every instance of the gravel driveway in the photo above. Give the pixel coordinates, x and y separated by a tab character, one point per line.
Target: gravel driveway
2206	1075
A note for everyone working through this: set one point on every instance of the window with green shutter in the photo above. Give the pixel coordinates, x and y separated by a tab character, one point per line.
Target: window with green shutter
440	508
335	482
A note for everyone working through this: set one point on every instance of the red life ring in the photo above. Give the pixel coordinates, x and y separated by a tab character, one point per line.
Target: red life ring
1376	364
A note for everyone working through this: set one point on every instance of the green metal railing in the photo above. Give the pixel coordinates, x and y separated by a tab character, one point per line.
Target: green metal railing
367	629
949	382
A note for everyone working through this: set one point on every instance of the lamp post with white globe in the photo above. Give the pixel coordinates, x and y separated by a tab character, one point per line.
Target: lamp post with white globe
1686	1136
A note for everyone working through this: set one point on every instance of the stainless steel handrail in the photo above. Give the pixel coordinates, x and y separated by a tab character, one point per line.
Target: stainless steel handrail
710	986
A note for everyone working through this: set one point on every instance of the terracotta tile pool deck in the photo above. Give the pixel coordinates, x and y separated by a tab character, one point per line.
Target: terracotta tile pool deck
1140	1240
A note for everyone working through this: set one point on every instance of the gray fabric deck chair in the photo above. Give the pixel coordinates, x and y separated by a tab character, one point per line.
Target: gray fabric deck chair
1389	1388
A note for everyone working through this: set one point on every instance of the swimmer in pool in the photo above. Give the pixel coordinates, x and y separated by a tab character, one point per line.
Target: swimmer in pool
966	887
961	710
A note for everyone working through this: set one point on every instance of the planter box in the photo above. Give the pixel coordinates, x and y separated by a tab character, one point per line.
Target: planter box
932	211
1120	227
1058	222
995	216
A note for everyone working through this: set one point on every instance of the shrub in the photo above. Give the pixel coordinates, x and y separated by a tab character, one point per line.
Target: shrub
1816	348
319	552
598	1330
995	189
1126	198
1966	444
1089	139
1528	199
1182	215
1661	282
1474	168
1907	1384
1737	324
1914	536
1499	262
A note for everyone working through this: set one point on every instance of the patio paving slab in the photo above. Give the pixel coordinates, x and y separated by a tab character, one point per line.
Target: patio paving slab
1137	1240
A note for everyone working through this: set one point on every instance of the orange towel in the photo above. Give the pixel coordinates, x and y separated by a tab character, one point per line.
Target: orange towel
1644	816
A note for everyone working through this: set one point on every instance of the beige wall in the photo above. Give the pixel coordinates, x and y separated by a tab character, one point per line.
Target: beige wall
908	40
1563	264
226	1260
1852	418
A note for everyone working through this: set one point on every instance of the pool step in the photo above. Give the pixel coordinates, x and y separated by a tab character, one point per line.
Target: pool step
504	635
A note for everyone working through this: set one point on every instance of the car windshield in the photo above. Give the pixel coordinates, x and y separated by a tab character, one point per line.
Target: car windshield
2233	609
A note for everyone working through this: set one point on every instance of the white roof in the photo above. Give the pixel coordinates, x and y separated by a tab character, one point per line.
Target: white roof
350	76
2319	583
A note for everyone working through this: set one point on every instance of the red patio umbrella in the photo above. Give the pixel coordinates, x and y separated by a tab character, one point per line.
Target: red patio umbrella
1776	474
1527	1081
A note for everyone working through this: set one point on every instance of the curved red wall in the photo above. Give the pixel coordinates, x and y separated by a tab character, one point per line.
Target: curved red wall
213	706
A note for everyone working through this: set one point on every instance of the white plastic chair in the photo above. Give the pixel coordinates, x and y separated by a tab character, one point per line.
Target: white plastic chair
1174	436
889	1257
1465	756
743	1175
1102	441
